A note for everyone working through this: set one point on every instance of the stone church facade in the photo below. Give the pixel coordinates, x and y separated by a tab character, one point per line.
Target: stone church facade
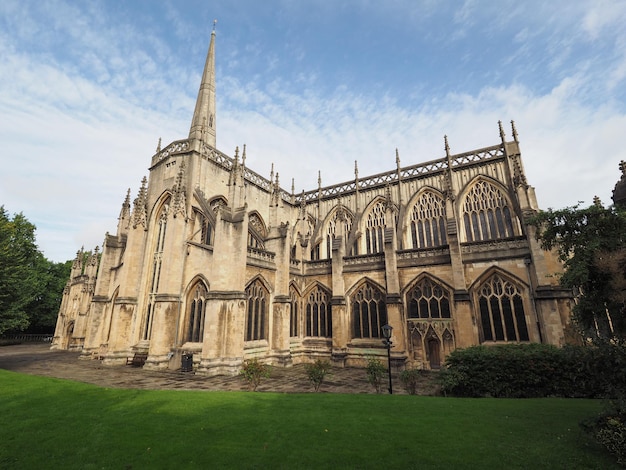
213	259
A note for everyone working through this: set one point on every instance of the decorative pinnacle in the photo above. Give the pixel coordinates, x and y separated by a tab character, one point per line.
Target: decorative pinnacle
158	149
514	131
502	135
243	156
319	178
356	169
293	185
397	158
446	146
622	167
597	202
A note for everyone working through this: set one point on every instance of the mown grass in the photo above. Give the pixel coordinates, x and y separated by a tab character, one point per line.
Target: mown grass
51	423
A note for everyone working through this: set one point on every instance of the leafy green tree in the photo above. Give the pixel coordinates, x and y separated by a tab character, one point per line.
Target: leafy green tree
44	307
591	243
19	258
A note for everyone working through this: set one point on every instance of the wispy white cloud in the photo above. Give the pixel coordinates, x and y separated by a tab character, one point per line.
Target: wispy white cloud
85	93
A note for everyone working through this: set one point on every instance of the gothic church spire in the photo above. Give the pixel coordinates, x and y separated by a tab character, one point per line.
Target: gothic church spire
203	122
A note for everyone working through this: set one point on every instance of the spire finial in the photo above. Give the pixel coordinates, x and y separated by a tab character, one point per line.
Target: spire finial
214	23
319	178
397	158
502	135
293	186
597	202
356	169
622	167
158	149
243	155
446	145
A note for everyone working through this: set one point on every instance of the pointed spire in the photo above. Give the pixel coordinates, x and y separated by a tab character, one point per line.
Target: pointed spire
397	159
502	135
319	179
204	114
446	145
158	149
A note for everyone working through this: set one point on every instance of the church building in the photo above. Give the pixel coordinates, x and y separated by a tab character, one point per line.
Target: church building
215	262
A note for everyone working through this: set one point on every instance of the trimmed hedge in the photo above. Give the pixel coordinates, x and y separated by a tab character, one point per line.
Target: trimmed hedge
535	370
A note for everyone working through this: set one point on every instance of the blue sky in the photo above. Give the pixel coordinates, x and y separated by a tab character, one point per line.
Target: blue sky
88	88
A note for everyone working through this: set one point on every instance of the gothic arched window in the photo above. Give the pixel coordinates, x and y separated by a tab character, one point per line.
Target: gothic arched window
502	315
486	215
369	312
258	306
428	300
157	261
374	229
339	217
428	221
195	318
318	314
294	304
207	232
256	231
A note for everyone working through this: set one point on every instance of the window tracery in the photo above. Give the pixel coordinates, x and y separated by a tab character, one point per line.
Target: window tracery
319	313
257	313
157	262
195	318
486	213
374	229
428	300
369	312
502	316
428	221
294	304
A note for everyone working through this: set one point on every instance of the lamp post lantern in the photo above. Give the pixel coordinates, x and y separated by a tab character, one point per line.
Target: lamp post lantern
387	329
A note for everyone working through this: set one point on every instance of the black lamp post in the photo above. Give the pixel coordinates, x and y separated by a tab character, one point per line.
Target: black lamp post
387	342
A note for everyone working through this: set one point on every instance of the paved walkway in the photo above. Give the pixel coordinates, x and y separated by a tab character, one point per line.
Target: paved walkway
38	359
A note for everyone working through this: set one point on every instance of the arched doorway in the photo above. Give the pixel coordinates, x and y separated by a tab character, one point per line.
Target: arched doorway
434	352
69	331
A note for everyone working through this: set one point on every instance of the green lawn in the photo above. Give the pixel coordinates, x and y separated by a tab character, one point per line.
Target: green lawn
48	424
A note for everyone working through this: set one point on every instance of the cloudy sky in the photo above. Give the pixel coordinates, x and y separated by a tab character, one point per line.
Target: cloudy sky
87	89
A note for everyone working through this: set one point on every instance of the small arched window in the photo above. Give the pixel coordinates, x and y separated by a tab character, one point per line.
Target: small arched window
257	314
195	317
294	304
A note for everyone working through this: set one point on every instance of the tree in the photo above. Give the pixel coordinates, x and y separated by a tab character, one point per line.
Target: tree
591	243
18	261
44	306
